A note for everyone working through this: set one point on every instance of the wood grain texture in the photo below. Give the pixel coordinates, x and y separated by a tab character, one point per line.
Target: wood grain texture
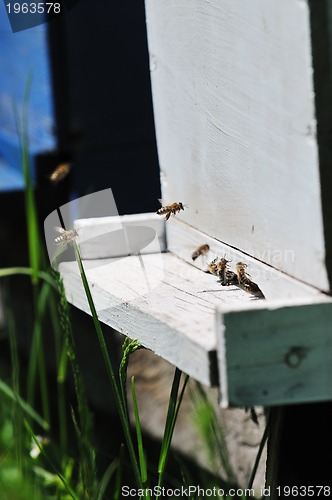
275	353
168	305
235	123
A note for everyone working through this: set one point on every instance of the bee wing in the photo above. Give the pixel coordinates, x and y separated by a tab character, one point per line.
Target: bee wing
162	202
59	229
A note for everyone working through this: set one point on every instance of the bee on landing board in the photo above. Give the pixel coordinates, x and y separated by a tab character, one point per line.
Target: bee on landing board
212	267
245	283
60	173
226	276
66	236
202	250
220	269
241	271
171	209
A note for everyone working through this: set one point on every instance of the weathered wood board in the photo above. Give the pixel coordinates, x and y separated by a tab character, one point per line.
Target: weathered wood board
167	301
167	305
234	110
275	352
236	129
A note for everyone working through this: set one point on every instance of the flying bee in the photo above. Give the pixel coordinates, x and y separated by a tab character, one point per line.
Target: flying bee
60	173
226	276
171	209
202	250
245	283
66	236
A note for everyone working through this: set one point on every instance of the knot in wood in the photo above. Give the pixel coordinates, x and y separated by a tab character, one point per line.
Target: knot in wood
294	357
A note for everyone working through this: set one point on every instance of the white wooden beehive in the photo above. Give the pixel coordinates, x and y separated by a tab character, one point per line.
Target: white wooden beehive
235	114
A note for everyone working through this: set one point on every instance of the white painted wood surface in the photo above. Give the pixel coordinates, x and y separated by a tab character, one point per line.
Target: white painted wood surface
235	122
275	352
183	239
167	301
175	318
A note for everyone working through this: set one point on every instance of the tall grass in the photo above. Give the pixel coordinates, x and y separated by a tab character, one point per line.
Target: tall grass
120	394
47	289
83	426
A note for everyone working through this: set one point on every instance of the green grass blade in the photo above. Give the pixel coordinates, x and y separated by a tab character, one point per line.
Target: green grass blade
61	363
107	476
118	479
172	414
17	413
141	455
171	406
11	271
33	235
84	428
9	393
60	476
168	424
62	416
62	366
30	203
128	347
121	409
37	355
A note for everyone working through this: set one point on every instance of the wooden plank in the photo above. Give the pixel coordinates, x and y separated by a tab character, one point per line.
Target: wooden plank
168	305
166	301
275	352
235	132
182	239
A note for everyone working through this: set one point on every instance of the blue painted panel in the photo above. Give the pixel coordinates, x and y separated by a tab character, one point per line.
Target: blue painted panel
10	178
21	54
